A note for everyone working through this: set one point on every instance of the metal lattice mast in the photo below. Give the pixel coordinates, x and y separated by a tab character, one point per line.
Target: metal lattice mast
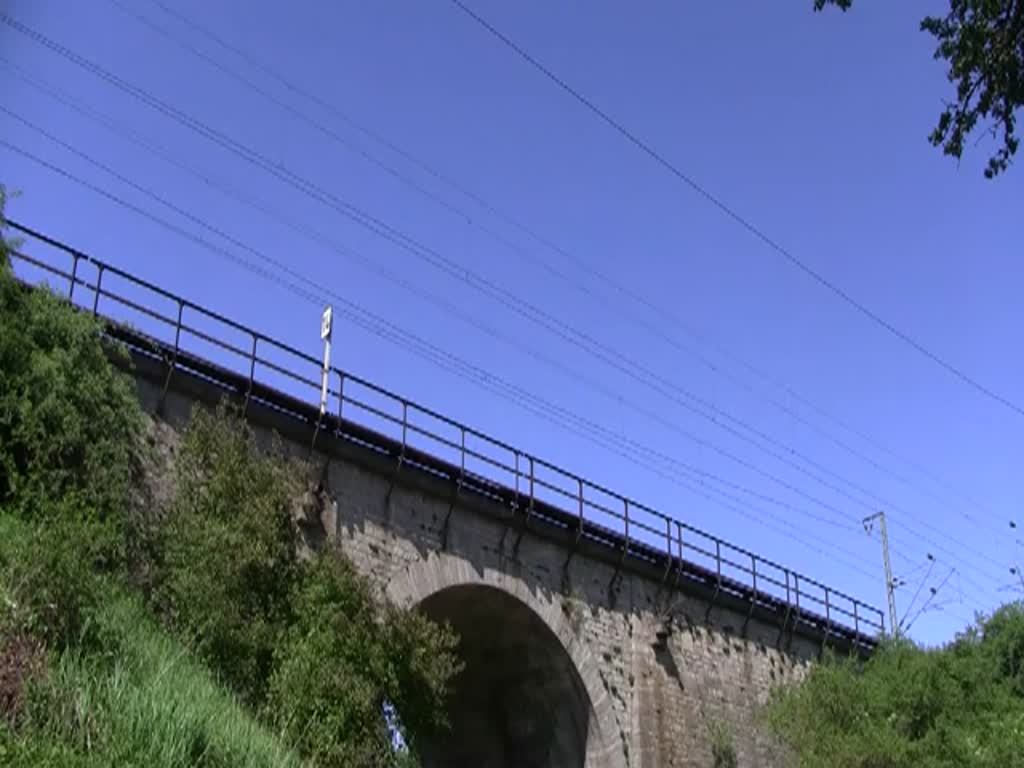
890	584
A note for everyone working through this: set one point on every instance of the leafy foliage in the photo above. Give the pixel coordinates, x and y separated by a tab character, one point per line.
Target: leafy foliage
983	42
229	549
48	584
106	686
307	642
143	702
345	660
723	746
69	421
69	447
961	706
4	247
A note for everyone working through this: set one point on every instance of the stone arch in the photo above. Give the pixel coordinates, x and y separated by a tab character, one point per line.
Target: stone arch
444	579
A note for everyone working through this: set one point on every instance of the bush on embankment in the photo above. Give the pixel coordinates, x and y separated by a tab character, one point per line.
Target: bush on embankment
138	698
306	642
237	652
958	706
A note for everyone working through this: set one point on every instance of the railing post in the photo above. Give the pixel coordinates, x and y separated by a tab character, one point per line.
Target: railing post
177	328
625	530
579	502
718	579
252	362
796	591
515	453
252	372
856	618
405	422
789	598
668	546
462	464
718	560
529	506
99	288
753	595
174	358
341	395
74	276
531	485
828	619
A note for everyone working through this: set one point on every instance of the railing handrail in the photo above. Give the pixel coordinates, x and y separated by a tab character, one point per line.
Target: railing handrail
576	486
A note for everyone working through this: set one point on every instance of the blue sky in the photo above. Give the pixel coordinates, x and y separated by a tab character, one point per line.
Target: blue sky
813	126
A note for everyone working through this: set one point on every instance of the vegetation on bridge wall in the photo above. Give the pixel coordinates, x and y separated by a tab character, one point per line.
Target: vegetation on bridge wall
959	706
194	635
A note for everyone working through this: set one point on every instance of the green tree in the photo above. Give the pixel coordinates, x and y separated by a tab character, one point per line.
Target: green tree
983	43
228	549
306	642
347	660
70	429
959	706
4	258
308	645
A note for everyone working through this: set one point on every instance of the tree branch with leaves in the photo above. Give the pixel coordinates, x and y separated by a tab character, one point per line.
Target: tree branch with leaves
983	43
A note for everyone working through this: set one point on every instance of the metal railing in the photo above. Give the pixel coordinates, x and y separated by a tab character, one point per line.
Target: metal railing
483	464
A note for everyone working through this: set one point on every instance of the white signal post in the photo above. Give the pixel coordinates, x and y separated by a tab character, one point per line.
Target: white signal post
326	323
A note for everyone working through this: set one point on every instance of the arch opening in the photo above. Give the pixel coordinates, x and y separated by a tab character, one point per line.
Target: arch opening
519	701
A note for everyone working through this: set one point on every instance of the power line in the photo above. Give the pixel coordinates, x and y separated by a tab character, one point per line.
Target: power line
649	327
630	450
702	475
803	266
917	592
411	342
934	591
538	316
523	308
333	135
245	81
447	306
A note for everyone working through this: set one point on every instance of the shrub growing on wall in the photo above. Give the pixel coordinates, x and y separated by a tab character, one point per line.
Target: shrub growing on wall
346	659
70	429
958	706
229	549
308	643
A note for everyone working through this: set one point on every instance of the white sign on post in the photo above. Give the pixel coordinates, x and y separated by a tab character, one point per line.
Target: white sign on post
325	334
325	323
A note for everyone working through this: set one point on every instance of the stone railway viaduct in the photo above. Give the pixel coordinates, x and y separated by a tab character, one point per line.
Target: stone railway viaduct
587	645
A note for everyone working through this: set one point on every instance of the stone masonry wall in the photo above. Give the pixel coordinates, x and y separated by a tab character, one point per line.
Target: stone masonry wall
662	671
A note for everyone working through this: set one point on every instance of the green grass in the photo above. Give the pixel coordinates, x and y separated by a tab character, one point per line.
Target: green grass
146	702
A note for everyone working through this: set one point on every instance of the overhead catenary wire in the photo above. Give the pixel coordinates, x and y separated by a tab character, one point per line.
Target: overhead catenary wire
579	263
560	416
539	316
418	249
935	591
732	214
917	592
620	362
703	474
666	388
524	308
376	325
